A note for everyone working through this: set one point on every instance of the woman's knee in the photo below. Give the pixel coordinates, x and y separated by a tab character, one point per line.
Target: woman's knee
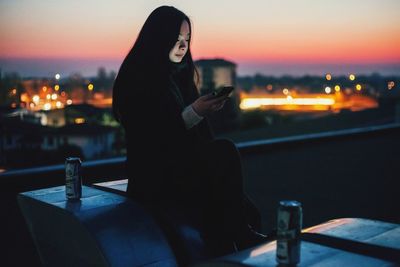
224	148
225	145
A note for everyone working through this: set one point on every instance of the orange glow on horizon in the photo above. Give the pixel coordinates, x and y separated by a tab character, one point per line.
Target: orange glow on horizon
380	47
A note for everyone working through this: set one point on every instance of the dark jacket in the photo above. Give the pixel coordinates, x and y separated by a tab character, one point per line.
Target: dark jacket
158	143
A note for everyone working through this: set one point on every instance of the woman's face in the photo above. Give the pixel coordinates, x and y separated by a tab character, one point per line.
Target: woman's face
181	46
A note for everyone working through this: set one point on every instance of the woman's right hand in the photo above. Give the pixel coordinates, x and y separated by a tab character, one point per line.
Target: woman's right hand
207	104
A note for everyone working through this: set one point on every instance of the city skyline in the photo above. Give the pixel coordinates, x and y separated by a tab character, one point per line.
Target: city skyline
268	37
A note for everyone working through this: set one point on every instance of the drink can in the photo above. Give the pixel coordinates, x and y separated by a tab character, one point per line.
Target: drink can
73	178
290	217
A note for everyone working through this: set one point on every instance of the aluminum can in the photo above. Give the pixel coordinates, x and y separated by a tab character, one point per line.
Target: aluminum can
289	225
73	178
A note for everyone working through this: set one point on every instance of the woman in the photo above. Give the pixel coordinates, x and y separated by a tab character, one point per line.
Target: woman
172	155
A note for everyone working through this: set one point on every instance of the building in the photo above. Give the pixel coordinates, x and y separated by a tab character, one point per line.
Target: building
95	141
53	118
213	74
24	143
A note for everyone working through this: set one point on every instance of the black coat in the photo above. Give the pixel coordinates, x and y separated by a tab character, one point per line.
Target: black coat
158	144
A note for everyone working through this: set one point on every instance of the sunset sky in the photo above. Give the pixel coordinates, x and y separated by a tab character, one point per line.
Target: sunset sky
266	36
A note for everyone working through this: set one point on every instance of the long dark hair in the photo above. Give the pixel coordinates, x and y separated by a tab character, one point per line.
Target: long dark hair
148	60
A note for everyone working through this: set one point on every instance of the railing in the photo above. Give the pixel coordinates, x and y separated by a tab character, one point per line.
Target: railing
261	145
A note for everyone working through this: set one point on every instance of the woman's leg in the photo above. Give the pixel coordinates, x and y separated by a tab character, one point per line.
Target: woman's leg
227	185
212	178
212	181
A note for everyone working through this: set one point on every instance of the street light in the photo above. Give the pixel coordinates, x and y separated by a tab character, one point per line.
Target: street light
328	77
35	99
328	90
47	106
285	91
391	84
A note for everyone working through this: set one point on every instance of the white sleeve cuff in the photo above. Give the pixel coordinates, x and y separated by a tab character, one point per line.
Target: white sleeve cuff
190	117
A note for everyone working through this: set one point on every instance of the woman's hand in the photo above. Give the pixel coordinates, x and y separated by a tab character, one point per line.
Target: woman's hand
207	104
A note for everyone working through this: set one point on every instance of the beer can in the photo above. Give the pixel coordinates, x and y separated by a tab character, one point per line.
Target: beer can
73	178
289	225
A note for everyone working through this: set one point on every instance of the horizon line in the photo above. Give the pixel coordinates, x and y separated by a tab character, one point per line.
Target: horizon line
243	60
40	67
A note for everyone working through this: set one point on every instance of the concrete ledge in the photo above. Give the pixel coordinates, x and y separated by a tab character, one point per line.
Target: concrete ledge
107	229
339	242
102	229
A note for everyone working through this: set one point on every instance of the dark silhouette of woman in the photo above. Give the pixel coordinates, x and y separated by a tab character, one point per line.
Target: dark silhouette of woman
172	156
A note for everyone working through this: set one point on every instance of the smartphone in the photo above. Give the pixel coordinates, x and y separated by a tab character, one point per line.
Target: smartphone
226	90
